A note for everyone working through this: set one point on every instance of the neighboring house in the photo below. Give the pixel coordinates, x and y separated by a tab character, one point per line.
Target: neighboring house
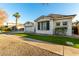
29	27
20	27
54	24
10	24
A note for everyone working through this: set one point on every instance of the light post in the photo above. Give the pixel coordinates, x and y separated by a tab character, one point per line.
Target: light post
63	50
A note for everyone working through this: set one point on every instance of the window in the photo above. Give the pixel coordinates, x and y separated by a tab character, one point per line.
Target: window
43	25
57	23
64	23
38	25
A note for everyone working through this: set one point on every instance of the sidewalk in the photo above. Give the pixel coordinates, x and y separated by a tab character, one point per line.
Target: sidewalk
68	51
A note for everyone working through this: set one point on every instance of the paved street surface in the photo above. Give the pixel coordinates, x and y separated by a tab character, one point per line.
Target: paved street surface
11	45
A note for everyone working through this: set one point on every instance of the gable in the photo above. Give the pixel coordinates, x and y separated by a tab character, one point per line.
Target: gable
29	24
42	18
55	17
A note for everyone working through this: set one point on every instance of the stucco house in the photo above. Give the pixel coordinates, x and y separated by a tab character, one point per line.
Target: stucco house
54	24
29	27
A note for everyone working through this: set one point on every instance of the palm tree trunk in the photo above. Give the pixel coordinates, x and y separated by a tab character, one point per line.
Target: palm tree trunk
16	24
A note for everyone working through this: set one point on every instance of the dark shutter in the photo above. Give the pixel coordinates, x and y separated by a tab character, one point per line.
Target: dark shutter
47	25
38	25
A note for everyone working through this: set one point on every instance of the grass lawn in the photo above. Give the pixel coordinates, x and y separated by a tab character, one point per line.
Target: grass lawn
53	39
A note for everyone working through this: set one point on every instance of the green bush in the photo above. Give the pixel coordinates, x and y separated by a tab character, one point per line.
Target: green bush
6	29
76	45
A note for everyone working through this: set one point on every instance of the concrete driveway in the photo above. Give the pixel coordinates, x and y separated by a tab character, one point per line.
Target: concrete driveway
11	45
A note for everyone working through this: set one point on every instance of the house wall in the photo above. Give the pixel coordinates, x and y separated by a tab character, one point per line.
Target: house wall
69	26
50	31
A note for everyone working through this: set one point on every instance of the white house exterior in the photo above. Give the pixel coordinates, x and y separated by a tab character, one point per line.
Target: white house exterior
54	24
29	27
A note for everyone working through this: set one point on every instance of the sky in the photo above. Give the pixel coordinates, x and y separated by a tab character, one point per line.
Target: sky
31	11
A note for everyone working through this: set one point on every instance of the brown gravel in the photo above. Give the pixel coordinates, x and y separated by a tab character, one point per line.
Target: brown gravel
13	46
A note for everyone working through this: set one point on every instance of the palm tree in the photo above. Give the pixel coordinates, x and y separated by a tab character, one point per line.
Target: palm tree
3	17
17	16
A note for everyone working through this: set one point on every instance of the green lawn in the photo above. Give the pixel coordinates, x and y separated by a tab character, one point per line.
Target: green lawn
53	39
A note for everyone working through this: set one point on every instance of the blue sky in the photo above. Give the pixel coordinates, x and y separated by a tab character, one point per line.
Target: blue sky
30	11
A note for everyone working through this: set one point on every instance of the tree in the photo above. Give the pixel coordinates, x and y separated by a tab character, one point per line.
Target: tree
17	16
77	25
3	17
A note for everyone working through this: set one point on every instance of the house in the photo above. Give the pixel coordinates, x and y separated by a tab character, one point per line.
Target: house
54	24
11	25
29	27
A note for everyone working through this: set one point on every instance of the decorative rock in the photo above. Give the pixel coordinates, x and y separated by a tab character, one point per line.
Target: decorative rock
70	43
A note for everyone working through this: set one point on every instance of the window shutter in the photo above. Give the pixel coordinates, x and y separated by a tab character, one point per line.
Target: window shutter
47	25
38	25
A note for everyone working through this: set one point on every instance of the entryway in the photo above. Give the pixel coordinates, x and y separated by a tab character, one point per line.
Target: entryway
75	30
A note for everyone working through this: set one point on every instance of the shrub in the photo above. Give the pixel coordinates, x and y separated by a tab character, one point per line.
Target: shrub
76	45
